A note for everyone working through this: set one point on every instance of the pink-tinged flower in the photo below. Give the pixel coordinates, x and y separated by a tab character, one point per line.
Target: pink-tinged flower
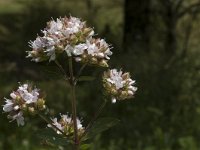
118	85
93	52
59	36
25	98
65	124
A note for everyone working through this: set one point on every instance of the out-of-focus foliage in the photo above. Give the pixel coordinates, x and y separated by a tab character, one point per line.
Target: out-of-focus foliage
157	41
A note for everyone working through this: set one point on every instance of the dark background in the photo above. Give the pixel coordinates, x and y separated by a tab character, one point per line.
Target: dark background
158	41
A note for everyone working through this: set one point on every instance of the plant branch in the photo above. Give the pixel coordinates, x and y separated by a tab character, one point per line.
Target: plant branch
79	73
50	122
61	69
94	119
72	83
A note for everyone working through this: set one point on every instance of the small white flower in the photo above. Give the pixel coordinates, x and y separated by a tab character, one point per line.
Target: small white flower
63	34
55	27
37	44
79	125
13	95
94	51
16	107
79	49
116	78
74	25
23	99
51	53
114	100
19	117
78	59
118	85
28	97
23	87
8	106
65	124
66	118
69	49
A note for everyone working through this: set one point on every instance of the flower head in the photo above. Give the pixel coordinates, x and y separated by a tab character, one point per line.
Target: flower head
59	36
70	35
24	99
65	124
118	85
94	52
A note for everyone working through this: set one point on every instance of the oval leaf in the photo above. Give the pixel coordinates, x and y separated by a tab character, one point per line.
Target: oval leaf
85	147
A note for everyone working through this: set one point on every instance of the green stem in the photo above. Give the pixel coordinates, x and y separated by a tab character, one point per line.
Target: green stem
72	83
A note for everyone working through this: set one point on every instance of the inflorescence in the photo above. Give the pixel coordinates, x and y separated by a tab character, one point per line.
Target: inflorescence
118	85
65	124
24	100
70	35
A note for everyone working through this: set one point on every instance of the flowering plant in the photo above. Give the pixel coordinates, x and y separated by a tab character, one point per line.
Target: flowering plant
71	38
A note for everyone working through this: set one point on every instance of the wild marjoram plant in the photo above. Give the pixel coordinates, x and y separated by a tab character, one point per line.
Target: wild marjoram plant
71	37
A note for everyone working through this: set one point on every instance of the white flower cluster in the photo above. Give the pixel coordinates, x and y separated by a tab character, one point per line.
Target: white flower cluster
118	85
94	51
65	124
23	99
72	36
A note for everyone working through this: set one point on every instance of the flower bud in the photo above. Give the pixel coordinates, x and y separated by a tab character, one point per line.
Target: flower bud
74	40
94	60
40	104
124	94
16	107
100	55
43	107
107	85
114	100
77	59
31	110
113	91
24	107
34	53
60	48
126	75
130	92
103	63
17	98
87	31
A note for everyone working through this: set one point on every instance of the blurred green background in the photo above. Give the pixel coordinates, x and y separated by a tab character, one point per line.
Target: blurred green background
158	41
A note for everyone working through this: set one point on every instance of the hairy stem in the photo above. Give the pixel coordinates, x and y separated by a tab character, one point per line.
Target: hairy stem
72	83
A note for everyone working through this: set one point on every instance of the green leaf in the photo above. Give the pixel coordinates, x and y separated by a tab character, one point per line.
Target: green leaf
86	78
85	147
100	125
52	137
